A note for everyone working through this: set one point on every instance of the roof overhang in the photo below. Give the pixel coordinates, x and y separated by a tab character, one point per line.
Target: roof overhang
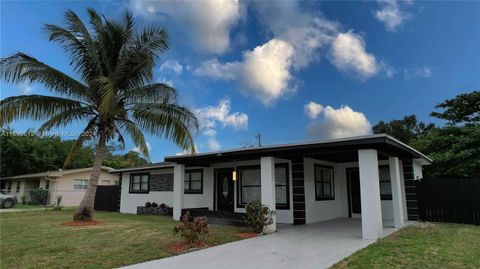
336	150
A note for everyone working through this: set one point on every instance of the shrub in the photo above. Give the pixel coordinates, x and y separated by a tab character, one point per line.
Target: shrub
58	204
39	197
192	232
154	204
24	199
258	216
148	204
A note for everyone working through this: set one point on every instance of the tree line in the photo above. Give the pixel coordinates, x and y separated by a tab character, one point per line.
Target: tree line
453	147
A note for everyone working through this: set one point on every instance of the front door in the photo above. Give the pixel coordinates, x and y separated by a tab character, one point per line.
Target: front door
353	186
224	189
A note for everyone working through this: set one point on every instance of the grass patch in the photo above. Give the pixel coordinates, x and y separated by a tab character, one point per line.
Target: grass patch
36	239
421	246
22	206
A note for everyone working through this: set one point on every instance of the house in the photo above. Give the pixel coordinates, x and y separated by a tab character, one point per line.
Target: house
71	184
363	177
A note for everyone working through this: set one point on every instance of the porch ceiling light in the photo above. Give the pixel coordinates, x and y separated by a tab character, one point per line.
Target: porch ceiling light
234	175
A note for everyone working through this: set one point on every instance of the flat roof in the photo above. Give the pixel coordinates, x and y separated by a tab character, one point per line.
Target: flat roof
336	150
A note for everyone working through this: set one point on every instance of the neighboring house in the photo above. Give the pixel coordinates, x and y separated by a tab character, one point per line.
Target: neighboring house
359	177
71	184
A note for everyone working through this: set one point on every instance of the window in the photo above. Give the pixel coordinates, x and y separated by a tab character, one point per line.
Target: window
80	184
139	183
385	182
324	183
194	181
17	189
250	185
47	185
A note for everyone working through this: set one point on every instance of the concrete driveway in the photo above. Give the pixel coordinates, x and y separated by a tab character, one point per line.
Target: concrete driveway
317	245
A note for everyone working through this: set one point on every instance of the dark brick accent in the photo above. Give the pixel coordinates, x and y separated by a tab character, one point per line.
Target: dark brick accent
410	190
161	182
298	183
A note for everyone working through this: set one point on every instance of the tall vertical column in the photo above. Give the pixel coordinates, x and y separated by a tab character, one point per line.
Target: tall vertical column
178	190
370	194
397	190
267	176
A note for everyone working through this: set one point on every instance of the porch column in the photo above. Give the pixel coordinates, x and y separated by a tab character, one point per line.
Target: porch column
178	189
370	194
267	176
397	190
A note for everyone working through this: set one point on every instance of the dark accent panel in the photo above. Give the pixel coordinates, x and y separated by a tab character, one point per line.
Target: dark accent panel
299	198
298	190
298	221
299	214
410	190
298	206
106	198
161	182
298	184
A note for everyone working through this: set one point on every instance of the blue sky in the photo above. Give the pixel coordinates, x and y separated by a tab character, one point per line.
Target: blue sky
293	71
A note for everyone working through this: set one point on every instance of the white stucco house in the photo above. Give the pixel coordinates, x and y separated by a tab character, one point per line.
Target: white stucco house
365	177
71	184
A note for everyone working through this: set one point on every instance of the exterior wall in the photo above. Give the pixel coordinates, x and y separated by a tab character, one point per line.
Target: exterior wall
64	186
328	209
130	201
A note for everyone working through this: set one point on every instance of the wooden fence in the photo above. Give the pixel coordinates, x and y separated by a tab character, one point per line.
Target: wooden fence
453	200
107	198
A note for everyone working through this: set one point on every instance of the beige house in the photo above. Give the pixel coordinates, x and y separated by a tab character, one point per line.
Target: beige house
71	184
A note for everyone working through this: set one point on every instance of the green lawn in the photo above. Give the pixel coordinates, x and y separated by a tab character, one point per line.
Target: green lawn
422	246
22	206
36	239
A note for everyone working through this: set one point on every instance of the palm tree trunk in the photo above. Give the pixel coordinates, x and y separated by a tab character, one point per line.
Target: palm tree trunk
85	210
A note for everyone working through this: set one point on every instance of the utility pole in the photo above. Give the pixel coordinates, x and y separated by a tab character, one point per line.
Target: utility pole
258	137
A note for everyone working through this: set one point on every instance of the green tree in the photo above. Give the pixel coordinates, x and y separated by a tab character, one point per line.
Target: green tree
455	151
406	129
463	109
113	95
129	159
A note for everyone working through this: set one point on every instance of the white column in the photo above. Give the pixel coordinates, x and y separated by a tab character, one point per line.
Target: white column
178	189
417	170
404	192
13	189
267	175
397	190
370	194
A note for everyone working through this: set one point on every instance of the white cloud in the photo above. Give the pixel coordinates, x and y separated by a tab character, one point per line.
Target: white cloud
212	116
423	72
173	66
25	88
213	144
209	21
264	71
392	13
313	110
339	123
349	55
137	149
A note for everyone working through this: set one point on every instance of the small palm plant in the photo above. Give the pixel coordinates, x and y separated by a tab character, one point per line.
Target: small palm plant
113	94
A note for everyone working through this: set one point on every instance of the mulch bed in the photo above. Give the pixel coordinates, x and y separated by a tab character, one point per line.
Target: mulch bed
246	235
181	247
81	223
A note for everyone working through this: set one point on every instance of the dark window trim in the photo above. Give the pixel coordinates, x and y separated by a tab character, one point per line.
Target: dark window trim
315	182
240	203
385	197
189	180
139	191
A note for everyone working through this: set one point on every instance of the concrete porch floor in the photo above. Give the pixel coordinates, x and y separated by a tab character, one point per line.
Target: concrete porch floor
317	245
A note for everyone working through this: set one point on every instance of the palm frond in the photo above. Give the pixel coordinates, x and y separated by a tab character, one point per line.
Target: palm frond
87	134
136	135
67	117
36	107
153	93
21	67
168	120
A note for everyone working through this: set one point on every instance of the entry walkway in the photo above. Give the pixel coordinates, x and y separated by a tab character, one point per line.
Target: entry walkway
318	245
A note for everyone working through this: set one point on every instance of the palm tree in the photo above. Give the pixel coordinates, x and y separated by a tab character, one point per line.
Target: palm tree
114	95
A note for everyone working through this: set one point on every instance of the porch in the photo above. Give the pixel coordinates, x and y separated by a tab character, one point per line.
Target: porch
304	183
